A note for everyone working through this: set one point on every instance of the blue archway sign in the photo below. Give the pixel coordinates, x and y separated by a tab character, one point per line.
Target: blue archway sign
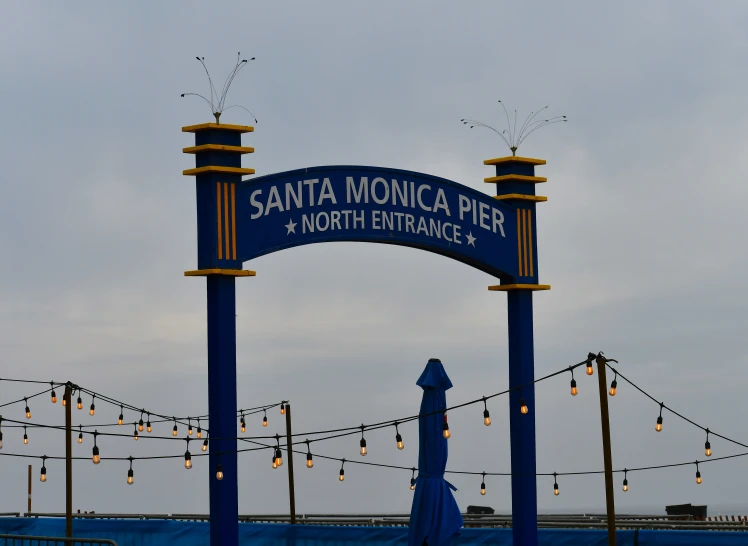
239	220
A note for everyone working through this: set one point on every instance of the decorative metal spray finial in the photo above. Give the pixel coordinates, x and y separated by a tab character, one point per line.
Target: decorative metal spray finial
511	136
217	108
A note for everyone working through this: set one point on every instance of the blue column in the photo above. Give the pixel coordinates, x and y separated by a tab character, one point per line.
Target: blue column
522	426
224	494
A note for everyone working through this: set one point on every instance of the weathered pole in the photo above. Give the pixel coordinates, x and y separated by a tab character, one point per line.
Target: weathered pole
68	462
607	456
289	448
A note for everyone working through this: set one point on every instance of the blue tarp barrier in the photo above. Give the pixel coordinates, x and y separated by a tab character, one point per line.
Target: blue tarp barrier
186	533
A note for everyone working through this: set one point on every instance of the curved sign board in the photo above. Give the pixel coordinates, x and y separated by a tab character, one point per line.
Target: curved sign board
377	205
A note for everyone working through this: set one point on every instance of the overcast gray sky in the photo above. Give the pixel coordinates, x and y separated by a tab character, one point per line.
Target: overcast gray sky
642	238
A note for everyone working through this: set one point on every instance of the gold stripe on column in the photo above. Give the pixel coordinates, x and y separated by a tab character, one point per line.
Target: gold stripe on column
519	243
524	237
529	236
218	216
226	208
233	219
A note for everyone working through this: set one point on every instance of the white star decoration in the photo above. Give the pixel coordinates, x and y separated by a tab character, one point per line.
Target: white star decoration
471	239
291	227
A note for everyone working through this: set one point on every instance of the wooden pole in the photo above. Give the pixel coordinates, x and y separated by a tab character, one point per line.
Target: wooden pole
29	506
68	462
607	457
289	448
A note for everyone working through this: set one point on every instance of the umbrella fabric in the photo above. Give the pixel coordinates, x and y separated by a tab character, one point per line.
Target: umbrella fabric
435	518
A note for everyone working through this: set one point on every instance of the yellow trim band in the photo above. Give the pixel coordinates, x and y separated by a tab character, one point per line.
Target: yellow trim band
222	127
514	159
521	197
509	287
217	169
514	178
225	272
218	148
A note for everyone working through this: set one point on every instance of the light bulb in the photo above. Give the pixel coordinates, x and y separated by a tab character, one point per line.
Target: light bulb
130	480
574	390
43	475
140	425
625	485
64	403
309	461
205	445
278	457
80	403
121	419
483	489
613	386
283	409
486	418
658	426
399	440
149	428
363	447
244	428
275	464
342	475
28	413
555	489
708	449
80	437
25	439
92	411
187	460
199	432
54	397
265	421
590	371
96	458
445	430
135	434
523	406
174	431
698	477
219	472
412	484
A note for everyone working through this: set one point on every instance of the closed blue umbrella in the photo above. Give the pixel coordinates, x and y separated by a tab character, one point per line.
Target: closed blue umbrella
435	518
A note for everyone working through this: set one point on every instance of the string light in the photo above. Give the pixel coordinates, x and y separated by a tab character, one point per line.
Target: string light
309	461
658	426
199	430
555	484
413	480
613	385
573	384
25	436
265	419
140	422
54	394
80	403
135	432
219	472
707	445
189	427
28	411
698	474
174	431
243	423
278	454
148	426
486	415
341	476
275	461
283	409
92	409
205	445
362	443
43	474
96	458
590	358
483	485
625	480
188	456
64	402
445	428
523	406
130	473
121	418
80	434
398	438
